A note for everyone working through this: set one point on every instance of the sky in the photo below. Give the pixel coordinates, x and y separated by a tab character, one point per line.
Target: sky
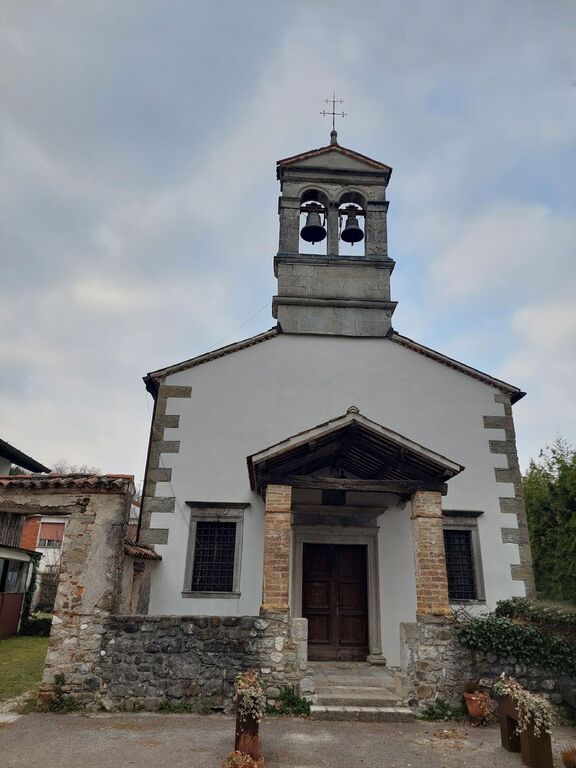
138	201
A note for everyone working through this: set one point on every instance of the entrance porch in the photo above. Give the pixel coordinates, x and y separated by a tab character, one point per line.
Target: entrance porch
328	493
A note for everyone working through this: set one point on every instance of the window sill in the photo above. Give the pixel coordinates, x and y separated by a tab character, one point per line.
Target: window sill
476	601
233	595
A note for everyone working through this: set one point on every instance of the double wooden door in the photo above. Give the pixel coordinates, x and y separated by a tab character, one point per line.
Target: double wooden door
334	600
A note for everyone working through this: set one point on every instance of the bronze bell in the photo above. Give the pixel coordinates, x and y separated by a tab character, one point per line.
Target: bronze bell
313	231
352	232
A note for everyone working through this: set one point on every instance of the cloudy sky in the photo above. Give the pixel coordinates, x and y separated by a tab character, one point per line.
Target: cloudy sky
138	201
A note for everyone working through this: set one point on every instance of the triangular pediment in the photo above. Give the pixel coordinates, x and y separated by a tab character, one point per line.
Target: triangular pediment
334	158
351	449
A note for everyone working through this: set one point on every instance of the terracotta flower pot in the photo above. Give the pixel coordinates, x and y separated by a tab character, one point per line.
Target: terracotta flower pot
477	704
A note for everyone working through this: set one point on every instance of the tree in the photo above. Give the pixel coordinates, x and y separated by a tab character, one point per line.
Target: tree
63	467
550	496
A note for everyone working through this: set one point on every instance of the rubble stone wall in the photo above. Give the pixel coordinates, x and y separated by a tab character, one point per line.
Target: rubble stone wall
438	666
150	661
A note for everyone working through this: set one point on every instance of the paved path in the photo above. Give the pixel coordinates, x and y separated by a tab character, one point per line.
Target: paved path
190	741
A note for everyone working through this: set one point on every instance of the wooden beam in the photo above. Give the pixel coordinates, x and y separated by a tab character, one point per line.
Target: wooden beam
348	484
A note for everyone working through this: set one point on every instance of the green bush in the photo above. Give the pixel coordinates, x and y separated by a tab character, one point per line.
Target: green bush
32	626
528	645
60	702
442	710
561	620
290	702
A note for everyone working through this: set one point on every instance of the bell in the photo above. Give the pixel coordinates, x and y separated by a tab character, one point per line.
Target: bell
313	231
352	232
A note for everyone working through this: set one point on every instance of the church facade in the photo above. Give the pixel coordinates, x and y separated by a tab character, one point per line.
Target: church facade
332	469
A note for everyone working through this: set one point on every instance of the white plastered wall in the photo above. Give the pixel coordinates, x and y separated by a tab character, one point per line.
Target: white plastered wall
254	398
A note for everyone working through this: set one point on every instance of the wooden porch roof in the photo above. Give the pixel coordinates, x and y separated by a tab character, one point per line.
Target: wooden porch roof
351	452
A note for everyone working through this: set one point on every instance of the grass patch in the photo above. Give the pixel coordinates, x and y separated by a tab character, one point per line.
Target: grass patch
21	664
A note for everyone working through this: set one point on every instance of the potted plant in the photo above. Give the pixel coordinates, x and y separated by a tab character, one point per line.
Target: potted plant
250	707
525	722
478	703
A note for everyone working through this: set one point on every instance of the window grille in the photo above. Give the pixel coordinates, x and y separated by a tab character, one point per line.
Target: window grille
55	543
214	557
460	565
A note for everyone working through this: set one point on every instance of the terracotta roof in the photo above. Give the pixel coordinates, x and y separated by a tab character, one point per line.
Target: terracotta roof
140	551
334	148
514	392
79	482
151	379
21	459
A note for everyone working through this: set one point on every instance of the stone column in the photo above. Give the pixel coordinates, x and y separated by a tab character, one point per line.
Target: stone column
277	545
429	556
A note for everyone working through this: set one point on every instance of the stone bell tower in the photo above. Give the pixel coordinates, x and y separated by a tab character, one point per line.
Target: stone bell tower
336	189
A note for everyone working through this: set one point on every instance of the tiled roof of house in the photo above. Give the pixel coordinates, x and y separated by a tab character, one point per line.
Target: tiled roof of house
140	551
80	482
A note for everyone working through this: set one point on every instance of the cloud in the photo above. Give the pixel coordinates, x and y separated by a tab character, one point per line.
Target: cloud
138	209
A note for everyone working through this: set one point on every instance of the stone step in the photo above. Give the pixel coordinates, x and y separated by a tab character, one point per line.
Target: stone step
360	699
361	714
385	681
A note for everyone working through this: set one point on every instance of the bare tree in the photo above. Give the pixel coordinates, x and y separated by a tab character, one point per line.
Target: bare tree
63	467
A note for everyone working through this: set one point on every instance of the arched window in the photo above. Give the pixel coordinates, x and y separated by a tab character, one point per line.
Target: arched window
351	224
313	223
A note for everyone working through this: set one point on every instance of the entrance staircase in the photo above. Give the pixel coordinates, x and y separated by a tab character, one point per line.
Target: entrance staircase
358	691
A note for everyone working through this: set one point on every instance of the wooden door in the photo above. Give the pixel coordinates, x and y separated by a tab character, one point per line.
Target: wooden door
334	601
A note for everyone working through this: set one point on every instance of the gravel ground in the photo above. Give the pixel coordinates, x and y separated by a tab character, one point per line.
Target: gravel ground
190	741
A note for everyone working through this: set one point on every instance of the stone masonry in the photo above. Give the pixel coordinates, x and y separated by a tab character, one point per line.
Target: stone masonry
89	588
429	557
148	661
156	472
438	666
512	505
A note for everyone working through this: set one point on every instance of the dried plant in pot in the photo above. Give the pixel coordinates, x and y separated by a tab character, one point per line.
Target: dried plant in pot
240	760
478	703
250	707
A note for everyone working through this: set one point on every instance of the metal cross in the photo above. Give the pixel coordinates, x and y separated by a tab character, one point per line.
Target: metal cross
333	101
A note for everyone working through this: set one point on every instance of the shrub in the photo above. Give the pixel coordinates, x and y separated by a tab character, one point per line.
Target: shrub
442	710
33	626
290	702
551	619
505	637
61	703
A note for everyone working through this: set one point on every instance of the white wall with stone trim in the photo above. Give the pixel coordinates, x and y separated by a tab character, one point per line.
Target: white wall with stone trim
256	397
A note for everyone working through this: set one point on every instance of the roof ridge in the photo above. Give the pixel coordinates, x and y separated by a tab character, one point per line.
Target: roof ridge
515	392
153	376
333	148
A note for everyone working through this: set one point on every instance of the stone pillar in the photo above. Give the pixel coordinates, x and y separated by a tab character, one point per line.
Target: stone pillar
332	222
277	546
429	556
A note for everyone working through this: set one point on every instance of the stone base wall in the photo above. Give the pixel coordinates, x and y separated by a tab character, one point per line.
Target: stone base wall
143	662
438	666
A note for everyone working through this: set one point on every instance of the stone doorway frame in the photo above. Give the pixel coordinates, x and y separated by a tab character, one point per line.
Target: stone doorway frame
324	534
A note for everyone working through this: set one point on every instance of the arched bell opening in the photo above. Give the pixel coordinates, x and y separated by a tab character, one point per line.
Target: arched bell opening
313	224
351	227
